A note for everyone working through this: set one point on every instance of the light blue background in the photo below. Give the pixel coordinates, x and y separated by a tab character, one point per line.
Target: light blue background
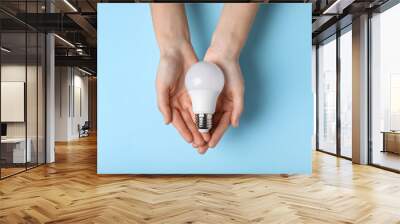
275	130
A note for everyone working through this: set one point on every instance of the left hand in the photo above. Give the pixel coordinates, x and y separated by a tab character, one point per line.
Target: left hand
230	102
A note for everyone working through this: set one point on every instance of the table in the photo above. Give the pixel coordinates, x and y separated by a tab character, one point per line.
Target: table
391	141
17	150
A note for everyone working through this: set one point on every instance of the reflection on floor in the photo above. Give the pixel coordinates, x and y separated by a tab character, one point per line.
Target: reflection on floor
346	152
386	159
12	169
70	191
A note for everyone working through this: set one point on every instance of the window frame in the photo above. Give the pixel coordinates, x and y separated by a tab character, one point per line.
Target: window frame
381	9
336	36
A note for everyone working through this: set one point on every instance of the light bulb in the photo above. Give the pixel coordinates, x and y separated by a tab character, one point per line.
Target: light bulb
204	82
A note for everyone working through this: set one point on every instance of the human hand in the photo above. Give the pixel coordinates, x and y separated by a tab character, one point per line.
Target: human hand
172	33
230	102
172	97
227	42
176	56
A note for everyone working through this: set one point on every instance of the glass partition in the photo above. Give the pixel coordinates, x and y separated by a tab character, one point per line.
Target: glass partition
32	97
41	111
14	153
22	77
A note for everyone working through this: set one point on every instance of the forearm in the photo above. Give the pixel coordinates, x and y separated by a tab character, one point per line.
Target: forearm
233	27
170	26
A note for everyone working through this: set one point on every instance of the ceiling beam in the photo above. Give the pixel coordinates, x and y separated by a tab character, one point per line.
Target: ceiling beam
320	22
86	26
337	7
82	61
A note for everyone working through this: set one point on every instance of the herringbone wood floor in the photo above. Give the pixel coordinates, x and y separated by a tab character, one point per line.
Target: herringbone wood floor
69	191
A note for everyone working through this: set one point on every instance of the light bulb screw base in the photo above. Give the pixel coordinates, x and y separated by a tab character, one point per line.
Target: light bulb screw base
203	122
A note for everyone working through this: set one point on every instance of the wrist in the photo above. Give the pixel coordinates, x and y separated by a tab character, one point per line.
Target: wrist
227	46
175	48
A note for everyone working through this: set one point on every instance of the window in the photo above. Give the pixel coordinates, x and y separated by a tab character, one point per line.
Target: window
385	89
346	93
327	96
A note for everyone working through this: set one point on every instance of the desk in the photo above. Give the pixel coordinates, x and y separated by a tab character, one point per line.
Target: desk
17	150
391	141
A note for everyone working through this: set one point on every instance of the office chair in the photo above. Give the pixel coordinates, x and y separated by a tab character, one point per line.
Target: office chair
84	130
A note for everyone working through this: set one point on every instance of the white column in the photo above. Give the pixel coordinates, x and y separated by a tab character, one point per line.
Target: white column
50	110
50	92
360	90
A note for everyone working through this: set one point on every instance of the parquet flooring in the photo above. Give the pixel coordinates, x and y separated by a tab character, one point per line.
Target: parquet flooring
5	172
70	191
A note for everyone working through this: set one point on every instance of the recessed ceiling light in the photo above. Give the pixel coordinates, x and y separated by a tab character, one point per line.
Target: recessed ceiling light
84	71
338	6
5	50
70	5
65	41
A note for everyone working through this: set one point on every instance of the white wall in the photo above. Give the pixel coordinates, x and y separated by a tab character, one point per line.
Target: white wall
15	72
62	82
12	73
13	101
79	117
69	112
34	126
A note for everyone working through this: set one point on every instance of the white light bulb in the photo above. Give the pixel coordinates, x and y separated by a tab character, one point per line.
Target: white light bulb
204	82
